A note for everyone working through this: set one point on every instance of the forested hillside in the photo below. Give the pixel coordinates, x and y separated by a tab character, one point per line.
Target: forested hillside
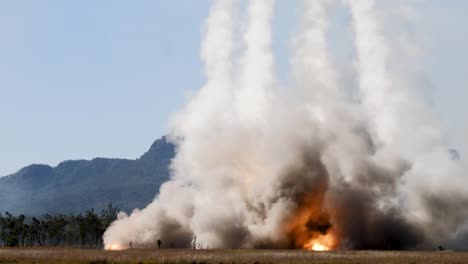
78	185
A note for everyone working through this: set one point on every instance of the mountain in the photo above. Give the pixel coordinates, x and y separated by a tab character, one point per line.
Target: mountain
77	185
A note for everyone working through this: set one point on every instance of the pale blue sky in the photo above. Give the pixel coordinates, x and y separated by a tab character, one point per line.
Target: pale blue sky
84	79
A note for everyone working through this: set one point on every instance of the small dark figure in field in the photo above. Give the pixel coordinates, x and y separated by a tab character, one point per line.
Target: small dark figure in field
441	248
159	243
194	242
130	245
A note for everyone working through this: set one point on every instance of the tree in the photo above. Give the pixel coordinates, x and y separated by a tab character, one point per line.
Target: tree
11	241
108	215
38	231
56	229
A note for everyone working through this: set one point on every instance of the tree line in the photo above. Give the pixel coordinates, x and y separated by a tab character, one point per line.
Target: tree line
82	230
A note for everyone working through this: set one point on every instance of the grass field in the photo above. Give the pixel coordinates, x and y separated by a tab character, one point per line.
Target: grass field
69	255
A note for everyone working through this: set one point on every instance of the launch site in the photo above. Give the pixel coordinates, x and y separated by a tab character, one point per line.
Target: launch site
305	131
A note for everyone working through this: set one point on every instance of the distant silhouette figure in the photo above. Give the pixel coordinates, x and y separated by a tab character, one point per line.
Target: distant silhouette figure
194	242
159	243
441	248
130	245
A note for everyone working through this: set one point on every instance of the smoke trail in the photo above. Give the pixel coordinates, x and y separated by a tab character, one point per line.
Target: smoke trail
257	75
311	51
319	91
390	95
216	53
402	125
167	217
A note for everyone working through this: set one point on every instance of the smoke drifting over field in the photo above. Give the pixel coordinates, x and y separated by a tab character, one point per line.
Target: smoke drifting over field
260	166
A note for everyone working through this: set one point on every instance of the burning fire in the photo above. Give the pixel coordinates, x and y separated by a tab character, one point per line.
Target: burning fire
114	247
322	243
311	226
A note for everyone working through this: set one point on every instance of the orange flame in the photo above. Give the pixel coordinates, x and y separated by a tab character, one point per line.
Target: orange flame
322	243
310	227
114	247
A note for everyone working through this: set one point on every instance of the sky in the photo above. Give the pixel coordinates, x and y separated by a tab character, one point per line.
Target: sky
85	79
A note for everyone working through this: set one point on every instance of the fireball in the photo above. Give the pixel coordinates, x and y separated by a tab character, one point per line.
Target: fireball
114	247
322	243
316	246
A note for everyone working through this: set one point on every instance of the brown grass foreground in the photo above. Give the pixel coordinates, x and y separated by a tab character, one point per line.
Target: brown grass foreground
71	255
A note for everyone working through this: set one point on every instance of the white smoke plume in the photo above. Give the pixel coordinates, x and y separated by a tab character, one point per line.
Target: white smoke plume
258	166
402	125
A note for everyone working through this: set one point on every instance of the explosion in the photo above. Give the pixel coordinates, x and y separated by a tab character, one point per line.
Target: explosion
347	157
114	247
322	243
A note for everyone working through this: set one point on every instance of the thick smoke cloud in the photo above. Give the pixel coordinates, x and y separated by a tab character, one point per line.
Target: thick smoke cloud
258	166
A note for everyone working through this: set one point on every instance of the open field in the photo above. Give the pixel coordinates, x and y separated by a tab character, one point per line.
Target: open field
70	255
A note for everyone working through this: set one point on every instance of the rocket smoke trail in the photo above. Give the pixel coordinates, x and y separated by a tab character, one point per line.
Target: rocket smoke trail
258	166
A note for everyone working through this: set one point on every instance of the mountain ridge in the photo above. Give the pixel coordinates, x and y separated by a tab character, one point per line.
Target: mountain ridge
74	186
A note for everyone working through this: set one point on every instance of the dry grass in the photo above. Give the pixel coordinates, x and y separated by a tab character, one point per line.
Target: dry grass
70	255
